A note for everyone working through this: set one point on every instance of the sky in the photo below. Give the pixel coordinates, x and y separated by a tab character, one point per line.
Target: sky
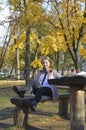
4	13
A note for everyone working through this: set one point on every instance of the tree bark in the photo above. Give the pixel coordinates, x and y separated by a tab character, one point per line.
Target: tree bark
18	64
27	57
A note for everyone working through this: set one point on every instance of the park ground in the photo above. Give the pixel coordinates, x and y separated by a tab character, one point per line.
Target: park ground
45	118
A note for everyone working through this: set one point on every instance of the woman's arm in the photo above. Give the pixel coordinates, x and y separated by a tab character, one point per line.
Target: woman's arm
56	74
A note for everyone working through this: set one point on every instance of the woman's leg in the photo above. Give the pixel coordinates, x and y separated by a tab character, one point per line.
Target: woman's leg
42	91
34	90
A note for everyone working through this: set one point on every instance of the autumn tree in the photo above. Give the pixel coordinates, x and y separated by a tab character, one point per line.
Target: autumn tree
69	22
30	16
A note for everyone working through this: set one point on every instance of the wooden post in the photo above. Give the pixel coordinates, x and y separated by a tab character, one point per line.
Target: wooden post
21	116
77	101
63	106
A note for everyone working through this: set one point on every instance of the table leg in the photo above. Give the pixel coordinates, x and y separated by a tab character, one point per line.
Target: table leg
77	106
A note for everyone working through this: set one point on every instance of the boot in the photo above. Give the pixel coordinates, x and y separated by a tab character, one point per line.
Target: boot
18	92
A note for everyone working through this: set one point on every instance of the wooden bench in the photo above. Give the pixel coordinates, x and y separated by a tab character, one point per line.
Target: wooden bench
21	111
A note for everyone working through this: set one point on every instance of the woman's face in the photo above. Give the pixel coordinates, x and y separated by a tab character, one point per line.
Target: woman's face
46	64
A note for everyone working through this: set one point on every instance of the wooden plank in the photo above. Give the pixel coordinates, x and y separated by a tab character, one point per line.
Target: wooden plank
20	101
71	80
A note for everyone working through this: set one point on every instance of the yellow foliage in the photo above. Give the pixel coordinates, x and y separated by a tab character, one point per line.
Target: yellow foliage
34	38
83	52
52	43
34	13
34	42
36	64
84	38
54	47
19	43
22	37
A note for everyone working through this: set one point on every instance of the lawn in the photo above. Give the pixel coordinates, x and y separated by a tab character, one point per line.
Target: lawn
45	118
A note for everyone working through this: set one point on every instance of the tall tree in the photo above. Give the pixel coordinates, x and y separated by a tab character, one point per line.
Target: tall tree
70	25
29	16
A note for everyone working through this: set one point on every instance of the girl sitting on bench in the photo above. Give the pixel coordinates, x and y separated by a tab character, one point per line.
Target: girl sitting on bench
41	80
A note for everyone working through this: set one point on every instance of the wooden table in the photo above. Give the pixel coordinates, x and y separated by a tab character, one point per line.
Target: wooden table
77	99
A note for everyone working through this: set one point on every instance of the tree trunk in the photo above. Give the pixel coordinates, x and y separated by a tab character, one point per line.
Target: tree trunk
77	63
18	65
27	57
4	49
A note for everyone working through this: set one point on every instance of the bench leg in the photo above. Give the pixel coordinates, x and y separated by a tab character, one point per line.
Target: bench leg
21	116
63	107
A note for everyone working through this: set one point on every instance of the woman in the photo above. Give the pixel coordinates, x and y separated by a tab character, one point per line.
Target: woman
41	80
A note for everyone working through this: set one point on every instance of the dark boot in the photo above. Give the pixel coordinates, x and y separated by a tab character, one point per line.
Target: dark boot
17	91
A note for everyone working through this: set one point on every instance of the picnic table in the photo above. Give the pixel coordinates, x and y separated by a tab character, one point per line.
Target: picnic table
76	85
